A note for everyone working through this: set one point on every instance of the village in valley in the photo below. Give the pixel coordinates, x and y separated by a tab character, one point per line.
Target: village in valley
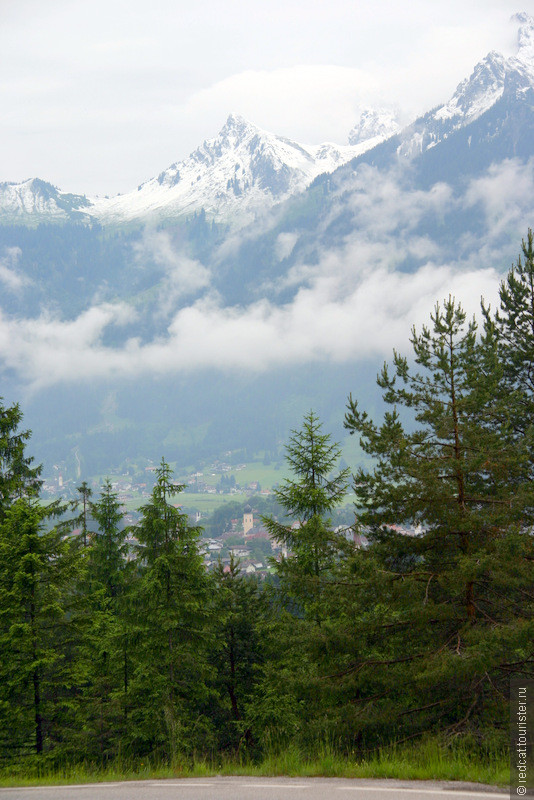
241	538
222	498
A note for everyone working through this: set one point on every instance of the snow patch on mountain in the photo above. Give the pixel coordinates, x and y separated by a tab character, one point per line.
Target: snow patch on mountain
476	94
374	122
34	201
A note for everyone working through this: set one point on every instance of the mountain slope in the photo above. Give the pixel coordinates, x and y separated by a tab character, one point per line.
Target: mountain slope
487	125
239	173
493	78
162	321
34	201
244	170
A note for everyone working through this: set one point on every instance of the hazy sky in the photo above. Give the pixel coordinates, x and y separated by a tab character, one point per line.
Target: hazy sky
98	96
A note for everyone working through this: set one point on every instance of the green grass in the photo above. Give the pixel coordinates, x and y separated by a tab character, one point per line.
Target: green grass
208	503
425	761
266	474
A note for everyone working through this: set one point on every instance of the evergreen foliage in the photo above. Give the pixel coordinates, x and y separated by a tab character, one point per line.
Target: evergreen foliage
38	569
237	653
108	546
120	643
313	551
513	325
17	475
85	492
310	497
102	667
168	684
448	604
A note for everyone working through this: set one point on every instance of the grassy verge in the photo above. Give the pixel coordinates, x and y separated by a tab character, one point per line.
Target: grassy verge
427	761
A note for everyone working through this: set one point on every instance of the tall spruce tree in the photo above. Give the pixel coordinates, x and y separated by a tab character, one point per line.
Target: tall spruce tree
239	613
442	597
38	570
109	550
38	575
309	498
314	549
18	476
103	662
168	686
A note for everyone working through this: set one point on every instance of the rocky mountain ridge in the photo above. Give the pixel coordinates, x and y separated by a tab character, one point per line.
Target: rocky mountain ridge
244	171
233	177
491	79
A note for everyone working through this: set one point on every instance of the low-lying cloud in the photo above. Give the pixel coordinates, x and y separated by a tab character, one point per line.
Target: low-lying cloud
183	276
10	277
319	325
352	302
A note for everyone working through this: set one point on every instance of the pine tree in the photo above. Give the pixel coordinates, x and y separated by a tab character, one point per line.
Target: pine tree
514	326
447	601
512	329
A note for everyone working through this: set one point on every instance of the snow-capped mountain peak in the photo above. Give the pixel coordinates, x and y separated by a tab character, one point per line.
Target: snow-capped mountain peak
244	170
39	201
373	122
491	78
233	176
477	93
525	36
236	127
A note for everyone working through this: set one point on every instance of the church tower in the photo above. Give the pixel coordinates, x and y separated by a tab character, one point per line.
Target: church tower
248	519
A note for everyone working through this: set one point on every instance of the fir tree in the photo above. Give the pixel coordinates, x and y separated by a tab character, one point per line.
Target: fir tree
169	680
305	574
239	612
309	498
108	547
103	662
38	573
17	475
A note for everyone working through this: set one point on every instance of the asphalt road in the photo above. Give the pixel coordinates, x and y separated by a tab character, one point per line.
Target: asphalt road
258	789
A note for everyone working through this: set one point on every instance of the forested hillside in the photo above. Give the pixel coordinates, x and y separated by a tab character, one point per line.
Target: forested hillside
116	642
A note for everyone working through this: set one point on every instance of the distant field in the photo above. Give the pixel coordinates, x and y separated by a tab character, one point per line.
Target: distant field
207	503
192	501
266	474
